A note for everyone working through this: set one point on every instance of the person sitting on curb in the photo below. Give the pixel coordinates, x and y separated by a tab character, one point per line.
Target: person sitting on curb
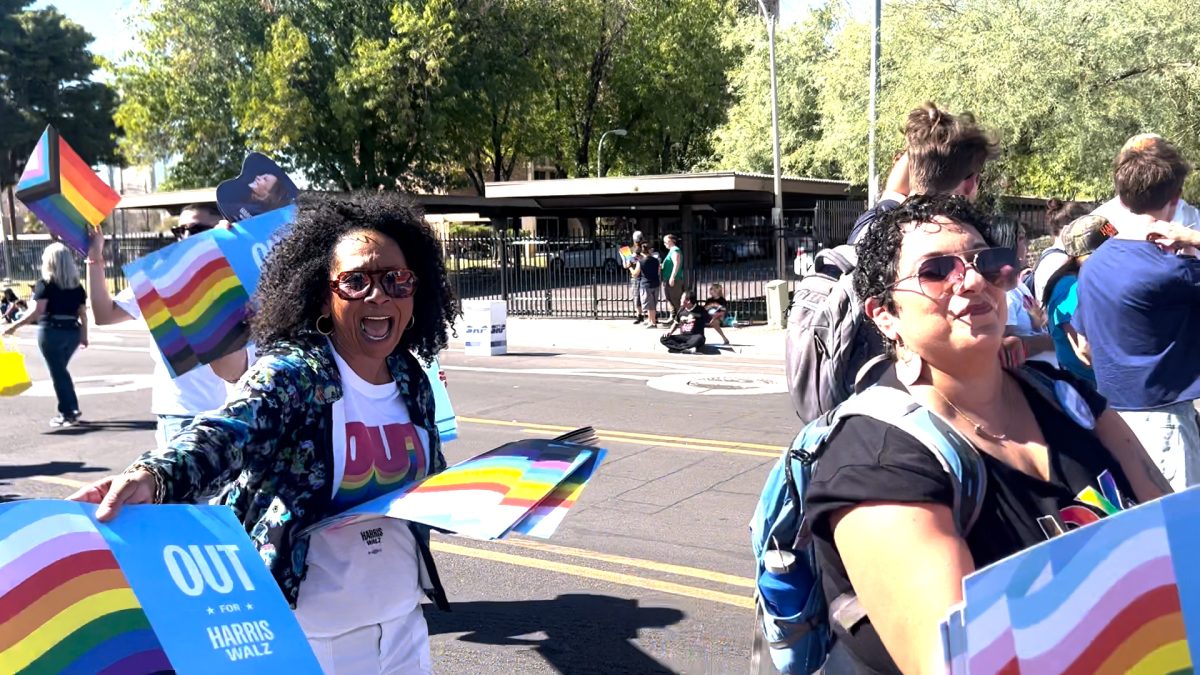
714	304
689	323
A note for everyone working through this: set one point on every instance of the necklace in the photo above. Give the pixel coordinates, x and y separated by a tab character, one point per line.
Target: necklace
979	430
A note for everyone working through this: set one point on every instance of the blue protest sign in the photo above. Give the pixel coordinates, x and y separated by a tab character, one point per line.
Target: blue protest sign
172	587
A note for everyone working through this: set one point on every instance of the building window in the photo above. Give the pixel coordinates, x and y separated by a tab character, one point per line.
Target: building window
541	174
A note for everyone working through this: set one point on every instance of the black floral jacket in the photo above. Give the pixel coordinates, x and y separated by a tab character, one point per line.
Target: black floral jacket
269	451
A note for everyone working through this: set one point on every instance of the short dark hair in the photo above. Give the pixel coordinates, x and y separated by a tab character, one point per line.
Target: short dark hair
689	295
944	149
204	207
879	246
1149	173
295	278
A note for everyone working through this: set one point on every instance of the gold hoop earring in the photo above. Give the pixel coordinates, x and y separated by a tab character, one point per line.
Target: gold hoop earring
412	321
317	323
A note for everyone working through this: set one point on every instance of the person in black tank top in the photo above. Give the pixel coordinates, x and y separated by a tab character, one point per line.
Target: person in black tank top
881	506
61	316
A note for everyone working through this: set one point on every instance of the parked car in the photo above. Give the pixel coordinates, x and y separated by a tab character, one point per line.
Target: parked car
586	255
733	250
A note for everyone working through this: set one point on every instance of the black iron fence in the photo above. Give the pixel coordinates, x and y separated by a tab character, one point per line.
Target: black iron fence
26	255
577	277
585	277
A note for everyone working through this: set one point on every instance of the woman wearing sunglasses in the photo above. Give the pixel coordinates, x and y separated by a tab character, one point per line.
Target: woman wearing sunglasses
880	504
337	410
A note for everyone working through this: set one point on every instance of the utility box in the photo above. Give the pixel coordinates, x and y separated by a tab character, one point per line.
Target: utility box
487	327
777	303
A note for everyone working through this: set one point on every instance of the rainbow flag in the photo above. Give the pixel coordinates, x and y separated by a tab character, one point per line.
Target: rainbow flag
525	487
65	605
162	588
63	191
1119	595
195	294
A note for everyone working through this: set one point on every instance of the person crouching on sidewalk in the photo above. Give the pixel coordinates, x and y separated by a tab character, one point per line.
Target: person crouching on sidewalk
689	323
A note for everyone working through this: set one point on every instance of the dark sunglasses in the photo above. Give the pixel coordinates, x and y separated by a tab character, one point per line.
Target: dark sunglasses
945	273
354	285
196	228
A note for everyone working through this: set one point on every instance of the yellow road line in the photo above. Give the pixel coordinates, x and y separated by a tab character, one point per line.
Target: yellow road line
575	570
735	447
668	568
55	480
743	601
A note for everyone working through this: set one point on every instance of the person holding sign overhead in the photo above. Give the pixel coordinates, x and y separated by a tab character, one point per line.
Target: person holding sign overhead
336	410
174	400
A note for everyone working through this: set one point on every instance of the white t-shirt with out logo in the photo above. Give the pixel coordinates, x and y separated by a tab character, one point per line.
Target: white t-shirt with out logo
365	573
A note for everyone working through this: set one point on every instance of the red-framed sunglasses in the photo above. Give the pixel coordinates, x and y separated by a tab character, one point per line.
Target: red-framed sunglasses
356	285
945	273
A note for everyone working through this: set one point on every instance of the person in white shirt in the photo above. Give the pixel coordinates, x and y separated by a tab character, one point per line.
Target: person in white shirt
175	401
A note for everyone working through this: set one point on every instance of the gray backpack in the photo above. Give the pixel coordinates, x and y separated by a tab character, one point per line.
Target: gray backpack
829	351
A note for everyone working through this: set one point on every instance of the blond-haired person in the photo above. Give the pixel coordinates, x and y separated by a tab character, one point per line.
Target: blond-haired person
60	312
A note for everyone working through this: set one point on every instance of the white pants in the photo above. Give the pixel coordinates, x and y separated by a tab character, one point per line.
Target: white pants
397	647
1171	436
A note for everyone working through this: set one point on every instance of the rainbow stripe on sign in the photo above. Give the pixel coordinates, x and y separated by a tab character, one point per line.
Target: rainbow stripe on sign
1111	597
65	606
525	487
63	191
195	307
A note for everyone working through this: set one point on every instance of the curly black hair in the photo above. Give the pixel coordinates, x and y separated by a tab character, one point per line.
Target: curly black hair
878	247
295	278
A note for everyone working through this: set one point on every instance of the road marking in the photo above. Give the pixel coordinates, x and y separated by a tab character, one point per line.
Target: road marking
743	601
668	568
574	570
721	384
55	480
102	384
573	372
736	447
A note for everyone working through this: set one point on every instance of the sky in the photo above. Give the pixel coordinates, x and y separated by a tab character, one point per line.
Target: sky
106	19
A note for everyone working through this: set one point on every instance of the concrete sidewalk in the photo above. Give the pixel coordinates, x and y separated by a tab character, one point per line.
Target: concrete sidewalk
622	335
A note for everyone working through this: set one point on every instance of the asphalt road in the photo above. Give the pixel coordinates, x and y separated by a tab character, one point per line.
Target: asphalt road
650	572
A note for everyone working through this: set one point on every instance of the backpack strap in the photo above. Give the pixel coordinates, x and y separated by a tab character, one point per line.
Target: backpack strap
1058	393
954	453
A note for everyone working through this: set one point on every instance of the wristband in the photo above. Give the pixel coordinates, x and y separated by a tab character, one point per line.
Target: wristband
160	488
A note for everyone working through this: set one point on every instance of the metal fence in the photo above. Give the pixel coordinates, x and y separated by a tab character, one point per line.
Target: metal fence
585	277
26	254
577	277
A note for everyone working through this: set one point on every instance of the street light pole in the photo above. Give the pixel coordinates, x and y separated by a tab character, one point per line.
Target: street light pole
872	168
770	10
600	149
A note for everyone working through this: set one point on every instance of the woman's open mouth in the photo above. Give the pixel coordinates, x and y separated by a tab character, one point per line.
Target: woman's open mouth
376	328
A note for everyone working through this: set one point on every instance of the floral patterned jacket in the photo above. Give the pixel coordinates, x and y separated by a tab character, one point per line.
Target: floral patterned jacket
269	451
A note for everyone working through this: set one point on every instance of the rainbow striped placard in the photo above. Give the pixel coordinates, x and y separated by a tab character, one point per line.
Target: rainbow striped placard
195	294
65	605
525	487
159	589
63	191
1120	595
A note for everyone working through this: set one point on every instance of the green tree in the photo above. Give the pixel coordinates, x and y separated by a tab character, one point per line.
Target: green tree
743	142
45	78
1063	84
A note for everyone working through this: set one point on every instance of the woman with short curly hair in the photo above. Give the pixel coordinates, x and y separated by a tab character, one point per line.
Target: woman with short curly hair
337	410
933	283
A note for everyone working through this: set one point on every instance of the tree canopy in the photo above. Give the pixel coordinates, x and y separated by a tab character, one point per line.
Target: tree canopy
440	94
45	78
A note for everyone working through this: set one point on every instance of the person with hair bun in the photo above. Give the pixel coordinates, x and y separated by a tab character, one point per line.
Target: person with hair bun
943	154
352	299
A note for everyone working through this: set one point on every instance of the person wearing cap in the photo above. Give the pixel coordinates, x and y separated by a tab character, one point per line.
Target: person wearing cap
1139	306
1080	240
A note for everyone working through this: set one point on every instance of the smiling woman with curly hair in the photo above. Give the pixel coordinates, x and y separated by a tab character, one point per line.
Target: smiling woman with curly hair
336	411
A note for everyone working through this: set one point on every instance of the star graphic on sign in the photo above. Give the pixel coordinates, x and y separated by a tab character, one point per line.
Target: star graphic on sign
210	610
249	606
